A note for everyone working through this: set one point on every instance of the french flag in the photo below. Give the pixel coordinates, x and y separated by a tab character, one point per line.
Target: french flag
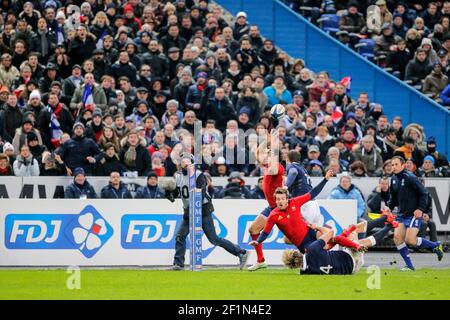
99	44
59	35
347	82
337	114
88	99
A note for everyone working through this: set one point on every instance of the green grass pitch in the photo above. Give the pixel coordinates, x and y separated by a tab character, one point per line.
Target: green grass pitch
222	284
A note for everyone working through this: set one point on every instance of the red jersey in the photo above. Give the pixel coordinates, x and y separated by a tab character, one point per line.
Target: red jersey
290	221
271	183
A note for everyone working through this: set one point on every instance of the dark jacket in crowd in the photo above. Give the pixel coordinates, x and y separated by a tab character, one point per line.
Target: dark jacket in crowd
75	151
150	192
375	198
109	192
74	191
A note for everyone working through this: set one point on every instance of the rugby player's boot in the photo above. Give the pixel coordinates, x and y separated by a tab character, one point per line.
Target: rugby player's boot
439	250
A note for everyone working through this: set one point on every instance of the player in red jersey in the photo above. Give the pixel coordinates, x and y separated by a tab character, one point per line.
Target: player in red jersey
273	179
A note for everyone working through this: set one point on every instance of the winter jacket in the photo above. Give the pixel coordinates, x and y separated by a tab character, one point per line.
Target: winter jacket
417	71
268	56
141	163
106	165
80	51
149	192
234	190
65	120
98	95
375	198
398	61
75	151
434	84
194	95
372	160
12	119
352	24
285	97
219	110
26	167
109	192
7	76
75	191
158	62
257	193
20	138
180	93
338	193
128	70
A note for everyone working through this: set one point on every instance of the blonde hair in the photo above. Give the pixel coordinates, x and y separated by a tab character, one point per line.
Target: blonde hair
101	13
292	259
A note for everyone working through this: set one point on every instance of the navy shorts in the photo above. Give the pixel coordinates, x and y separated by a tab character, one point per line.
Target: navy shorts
410	221
309	238
266	211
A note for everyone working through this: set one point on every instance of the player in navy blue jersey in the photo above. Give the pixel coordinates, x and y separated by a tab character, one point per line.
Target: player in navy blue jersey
299	183
410	197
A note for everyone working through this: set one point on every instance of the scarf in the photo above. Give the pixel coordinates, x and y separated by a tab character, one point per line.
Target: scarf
44	43
130	157
368	153
234	73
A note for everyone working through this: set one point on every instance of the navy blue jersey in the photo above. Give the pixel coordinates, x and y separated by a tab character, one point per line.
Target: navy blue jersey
407	193
298	180
320	261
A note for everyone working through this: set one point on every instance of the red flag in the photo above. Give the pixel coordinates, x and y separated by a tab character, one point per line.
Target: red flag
347	82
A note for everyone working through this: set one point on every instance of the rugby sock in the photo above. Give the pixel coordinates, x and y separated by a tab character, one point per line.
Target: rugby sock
404	252
345	242
258	249
349	230
426	244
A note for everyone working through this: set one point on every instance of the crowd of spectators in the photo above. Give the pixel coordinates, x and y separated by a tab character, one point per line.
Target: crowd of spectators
106	87
411	39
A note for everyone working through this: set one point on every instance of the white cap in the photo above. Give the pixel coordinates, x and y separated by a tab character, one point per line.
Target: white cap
241	14
8	146
221	160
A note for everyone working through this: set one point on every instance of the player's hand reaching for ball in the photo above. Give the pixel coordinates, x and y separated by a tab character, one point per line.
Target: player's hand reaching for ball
253	243
329	174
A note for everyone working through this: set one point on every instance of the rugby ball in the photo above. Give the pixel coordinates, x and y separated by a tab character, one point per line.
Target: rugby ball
277	111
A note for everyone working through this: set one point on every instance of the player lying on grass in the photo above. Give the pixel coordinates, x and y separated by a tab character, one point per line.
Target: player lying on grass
287	216
318	259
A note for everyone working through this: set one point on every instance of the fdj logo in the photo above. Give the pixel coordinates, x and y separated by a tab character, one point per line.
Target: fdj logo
158	231
275	240
87	231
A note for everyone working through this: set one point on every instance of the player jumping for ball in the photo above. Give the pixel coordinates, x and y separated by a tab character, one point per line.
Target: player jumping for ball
273	179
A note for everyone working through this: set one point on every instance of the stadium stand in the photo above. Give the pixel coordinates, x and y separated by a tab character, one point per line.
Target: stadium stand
398	30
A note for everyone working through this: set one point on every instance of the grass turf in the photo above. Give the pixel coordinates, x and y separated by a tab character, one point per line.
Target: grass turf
222	284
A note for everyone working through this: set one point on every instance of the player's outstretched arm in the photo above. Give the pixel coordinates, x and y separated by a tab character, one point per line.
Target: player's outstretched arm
318	189
265	233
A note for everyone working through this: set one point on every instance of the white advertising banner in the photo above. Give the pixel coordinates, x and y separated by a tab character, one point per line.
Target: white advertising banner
131	232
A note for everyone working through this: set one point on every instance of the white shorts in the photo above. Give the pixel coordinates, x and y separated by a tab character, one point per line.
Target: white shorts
357	257
311	212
